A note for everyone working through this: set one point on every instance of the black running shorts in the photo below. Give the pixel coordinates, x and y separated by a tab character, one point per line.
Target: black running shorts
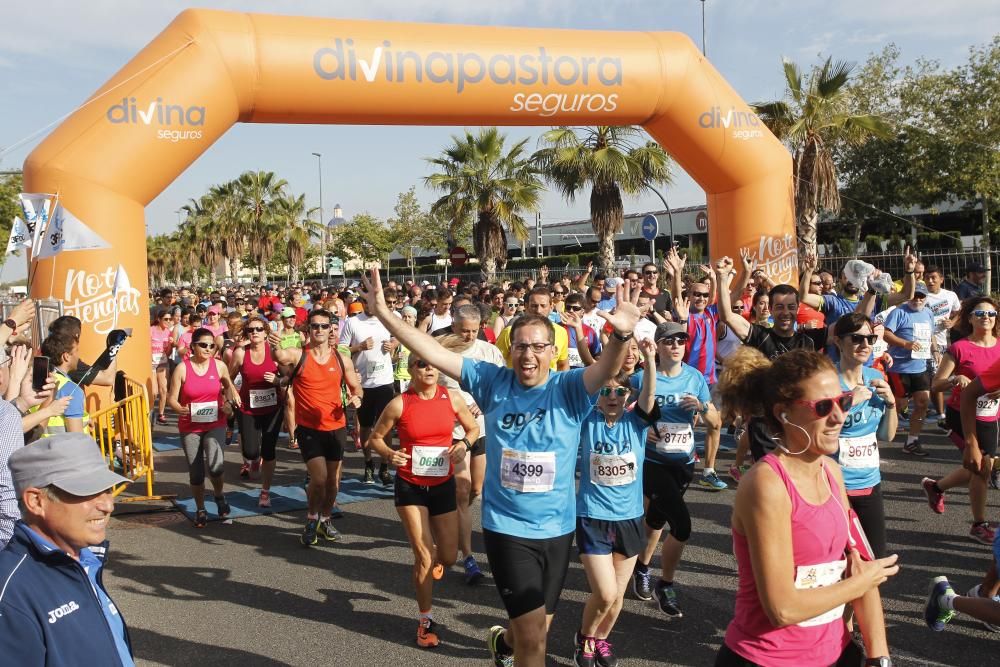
328	444
373	402
528	573
438	499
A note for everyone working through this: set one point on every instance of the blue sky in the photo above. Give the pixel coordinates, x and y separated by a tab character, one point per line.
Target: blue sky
54	53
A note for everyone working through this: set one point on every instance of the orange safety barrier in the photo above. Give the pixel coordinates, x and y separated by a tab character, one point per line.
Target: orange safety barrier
123	432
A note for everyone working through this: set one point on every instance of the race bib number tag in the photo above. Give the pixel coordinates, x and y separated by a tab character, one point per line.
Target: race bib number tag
817	576
263	398
574	358
987	407
157	359
922	335
428	461
528	472
375	367
675	438
859	452
204	413
612	469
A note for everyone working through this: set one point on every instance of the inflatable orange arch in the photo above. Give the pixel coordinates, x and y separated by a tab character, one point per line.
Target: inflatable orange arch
210	69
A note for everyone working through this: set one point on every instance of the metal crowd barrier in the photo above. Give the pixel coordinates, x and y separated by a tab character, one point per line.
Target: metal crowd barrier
123	432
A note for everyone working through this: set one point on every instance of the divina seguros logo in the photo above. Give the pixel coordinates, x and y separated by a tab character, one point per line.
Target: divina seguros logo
745	124
462	70
131	112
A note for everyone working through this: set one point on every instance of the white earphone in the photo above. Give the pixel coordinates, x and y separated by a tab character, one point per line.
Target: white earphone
784	418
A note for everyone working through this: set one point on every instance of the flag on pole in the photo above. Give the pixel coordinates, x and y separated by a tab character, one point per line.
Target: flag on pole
36	207
120	285
20	237
66	232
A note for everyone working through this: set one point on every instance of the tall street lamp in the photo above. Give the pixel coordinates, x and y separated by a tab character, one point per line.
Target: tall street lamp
670	215
322	261
703	27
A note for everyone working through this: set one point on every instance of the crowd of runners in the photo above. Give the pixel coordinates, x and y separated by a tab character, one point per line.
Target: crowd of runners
572	407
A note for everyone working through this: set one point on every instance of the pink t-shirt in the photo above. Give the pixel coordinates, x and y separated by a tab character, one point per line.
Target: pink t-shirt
159	342
819	537
974	361
185	342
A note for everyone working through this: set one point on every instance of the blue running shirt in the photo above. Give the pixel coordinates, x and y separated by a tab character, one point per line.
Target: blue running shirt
532	438
611	471
858	455
675	426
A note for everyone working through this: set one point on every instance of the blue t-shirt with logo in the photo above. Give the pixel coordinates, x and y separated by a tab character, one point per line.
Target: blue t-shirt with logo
857	435
615	453
675	444
529	431
910	324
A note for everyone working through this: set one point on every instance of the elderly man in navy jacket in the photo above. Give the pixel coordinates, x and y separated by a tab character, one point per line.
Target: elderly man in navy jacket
54	610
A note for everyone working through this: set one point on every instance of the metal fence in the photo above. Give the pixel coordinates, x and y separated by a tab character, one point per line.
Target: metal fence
953	264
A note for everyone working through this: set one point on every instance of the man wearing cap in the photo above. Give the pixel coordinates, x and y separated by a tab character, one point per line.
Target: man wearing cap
909	332
972	284
54	609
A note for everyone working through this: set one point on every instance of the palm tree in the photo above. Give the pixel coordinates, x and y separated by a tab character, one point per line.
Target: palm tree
478	175
611	160
156	259
816	118
204	237
230	221
258	192
299	229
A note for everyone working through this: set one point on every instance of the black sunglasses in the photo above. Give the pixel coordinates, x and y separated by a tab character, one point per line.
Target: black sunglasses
421	364
255	329
679	339
650	273
619	391
320	326
206	346
857	339
574	309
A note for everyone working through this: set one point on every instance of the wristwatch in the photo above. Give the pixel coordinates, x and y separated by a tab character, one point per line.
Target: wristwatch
882	661
468	445
623	338
10	324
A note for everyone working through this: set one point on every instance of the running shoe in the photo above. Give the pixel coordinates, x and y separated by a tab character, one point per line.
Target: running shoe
943	425
161	420
229	437
499	659
737	472
583	651
666	597
974	593
710	480
369	473
245	470
222	507
309	537
327	530
914	448
982	533
292	444
427	634
935	615
384	475
265	498
200	519
473	575
605	654
935	498
995	478
255	468
642	584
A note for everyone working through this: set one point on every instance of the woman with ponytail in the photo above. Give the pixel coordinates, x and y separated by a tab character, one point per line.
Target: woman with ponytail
798	564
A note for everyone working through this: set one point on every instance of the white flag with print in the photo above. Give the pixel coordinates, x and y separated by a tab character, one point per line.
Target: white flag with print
20	237
66	232
36	207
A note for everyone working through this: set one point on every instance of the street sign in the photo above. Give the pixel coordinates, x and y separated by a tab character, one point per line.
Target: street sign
650	227
458	256
336	267
701	221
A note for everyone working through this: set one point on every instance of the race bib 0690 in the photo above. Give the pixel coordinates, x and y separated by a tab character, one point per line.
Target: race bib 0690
429	461
528	472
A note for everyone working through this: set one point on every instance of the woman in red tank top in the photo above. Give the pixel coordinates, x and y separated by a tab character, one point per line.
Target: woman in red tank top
424	417
797	566
259	420
196	395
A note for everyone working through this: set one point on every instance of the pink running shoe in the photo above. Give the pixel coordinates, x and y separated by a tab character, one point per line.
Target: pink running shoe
265	498
935	498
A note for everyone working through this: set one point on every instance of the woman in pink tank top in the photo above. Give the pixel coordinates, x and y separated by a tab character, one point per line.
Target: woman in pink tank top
790	524
197	388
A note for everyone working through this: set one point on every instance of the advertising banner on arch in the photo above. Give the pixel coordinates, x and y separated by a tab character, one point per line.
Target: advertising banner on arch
211	69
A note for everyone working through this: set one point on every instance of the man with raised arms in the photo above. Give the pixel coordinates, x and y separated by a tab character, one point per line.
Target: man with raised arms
533	419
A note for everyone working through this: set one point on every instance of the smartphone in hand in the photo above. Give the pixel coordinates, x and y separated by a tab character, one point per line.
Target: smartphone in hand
39	372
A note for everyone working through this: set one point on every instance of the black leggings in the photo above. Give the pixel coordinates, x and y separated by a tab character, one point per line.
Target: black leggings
259	435
871	514
664	485
852	656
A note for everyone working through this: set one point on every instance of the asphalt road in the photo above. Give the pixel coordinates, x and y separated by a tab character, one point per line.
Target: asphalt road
248	593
